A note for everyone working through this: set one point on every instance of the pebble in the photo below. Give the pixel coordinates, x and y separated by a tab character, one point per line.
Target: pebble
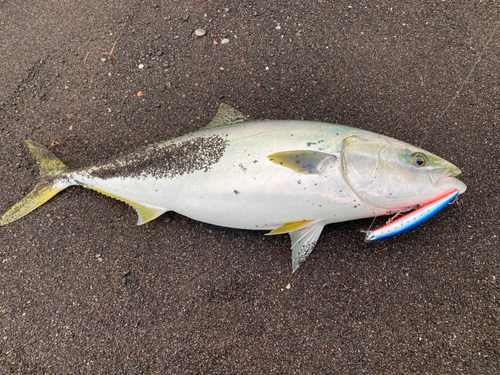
224	41
199	32
141	66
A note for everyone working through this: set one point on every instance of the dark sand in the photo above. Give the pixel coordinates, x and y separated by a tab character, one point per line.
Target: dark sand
84	290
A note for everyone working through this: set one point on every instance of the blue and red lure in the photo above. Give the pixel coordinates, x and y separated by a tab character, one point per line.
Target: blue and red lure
412	219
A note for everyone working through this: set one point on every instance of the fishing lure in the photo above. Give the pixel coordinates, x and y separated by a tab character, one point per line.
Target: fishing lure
411	220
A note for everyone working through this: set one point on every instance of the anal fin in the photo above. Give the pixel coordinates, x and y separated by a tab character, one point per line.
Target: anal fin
145	212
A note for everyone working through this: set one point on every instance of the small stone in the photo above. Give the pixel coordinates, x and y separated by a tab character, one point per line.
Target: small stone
141	66
103	59
199	32
224	41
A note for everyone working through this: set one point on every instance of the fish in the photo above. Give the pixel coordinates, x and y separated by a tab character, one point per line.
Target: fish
283	176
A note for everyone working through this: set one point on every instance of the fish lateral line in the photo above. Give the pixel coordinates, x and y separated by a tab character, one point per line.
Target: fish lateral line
412	219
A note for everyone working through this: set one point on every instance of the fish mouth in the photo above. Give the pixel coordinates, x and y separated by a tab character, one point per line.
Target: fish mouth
454	172
439	176
449	181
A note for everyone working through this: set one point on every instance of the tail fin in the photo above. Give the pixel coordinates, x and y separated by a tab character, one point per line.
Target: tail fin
50	168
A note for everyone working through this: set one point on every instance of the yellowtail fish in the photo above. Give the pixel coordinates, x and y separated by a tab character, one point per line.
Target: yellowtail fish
284	176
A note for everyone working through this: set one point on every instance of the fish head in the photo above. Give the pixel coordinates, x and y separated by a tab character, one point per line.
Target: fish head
390	174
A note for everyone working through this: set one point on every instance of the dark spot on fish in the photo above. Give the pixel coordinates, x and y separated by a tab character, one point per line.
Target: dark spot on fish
165	160
297	161
255	161
236	192
299	182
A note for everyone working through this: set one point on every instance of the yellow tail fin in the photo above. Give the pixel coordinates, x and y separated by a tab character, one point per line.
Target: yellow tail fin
50	184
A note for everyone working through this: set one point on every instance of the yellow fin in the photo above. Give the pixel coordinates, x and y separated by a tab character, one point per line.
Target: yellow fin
226	115
303	161
47	162
36	198
290	227
145	213
51	183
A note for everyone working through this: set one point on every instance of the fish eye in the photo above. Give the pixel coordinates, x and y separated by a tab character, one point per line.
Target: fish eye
418	160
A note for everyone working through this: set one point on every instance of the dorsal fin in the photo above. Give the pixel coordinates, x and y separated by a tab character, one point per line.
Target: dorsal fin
226	115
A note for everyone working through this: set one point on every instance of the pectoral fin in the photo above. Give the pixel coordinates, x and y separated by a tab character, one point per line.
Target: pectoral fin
304	161
146	213
304	235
